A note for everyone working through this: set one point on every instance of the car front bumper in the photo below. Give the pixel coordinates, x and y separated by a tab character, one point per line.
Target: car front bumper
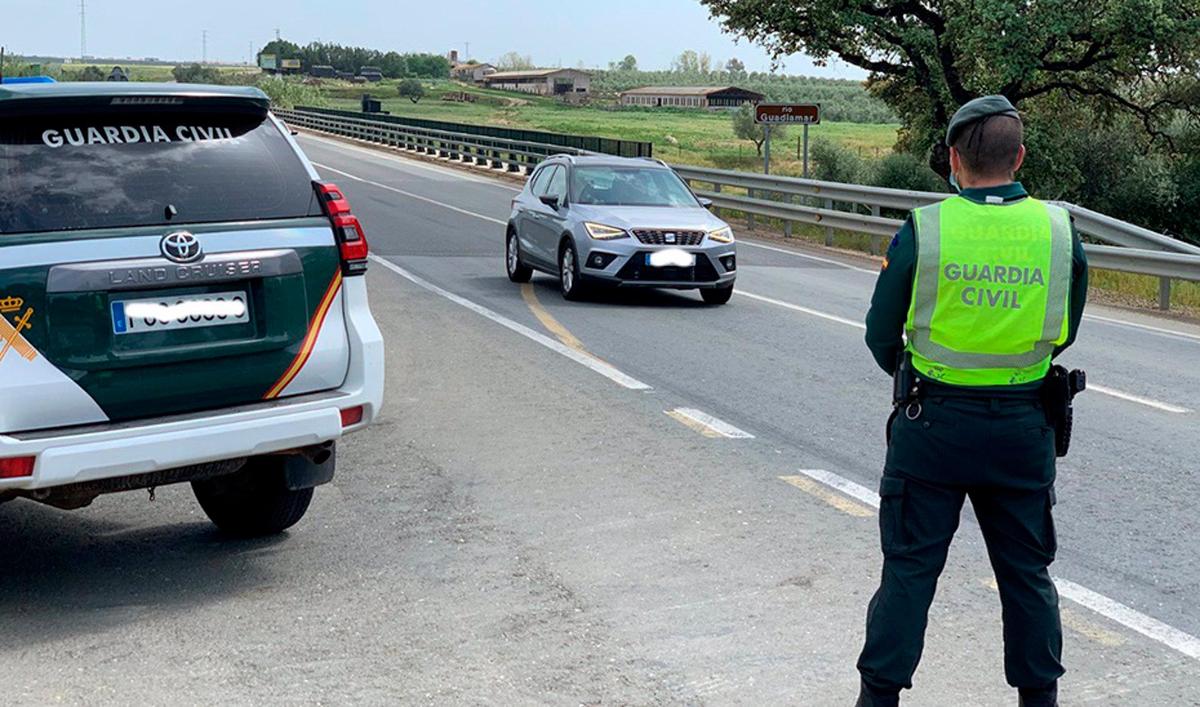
624	265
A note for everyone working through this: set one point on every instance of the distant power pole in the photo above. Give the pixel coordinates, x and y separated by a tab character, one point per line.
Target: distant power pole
276	34
82	30
204	46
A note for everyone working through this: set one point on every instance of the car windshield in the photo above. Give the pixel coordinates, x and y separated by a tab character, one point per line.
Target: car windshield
629	186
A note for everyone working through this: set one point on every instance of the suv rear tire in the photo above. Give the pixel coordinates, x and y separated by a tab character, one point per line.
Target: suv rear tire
254	500
717	295
517	270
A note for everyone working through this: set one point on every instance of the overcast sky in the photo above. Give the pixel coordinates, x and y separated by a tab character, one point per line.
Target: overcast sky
553	32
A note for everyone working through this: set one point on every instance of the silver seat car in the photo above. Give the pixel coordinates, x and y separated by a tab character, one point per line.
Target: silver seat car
628	222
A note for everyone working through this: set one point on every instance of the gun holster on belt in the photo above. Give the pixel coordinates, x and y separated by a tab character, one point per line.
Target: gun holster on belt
1058	394
906	392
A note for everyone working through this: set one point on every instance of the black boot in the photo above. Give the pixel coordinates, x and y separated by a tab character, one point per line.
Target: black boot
869	697
1041	697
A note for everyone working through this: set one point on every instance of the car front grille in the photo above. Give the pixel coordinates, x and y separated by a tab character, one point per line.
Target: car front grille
669	237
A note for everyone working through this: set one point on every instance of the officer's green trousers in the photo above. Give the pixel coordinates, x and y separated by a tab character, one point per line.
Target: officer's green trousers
999	452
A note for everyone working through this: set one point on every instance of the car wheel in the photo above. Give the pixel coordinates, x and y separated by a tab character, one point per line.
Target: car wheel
569	279
252	501
517	271
717	295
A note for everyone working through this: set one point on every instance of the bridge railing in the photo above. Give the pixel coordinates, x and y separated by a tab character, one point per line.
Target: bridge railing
874	211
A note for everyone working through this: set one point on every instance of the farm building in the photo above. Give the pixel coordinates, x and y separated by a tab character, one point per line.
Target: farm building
689	97
475	73
544	82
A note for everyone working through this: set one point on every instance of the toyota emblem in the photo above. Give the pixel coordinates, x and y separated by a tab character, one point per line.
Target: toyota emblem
181	247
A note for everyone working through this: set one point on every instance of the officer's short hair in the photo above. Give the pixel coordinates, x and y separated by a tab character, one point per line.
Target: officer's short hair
988	148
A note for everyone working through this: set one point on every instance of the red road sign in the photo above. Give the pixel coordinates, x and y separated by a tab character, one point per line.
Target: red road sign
796	113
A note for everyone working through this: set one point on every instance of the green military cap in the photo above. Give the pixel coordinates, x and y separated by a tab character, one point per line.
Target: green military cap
976	110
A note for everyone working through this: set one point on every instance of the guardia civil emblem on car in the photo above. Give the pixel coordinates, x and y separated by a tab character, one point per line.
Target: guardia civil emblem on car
181	247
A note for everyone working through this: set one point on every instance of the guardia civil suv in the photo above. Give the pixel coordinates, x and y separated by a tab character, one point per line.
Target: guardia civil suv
181	300
625	222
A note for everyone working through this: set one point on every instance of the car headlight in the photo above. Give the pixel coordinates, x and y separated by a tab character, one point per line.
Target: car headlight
604	233
722	235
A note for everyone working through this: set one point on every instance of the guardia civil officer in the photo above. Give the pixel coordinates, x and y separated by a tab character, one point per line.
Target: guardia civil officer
977	295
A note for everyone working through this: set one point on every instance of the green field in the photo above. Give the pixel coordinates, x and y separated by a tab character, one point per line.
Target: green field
689	136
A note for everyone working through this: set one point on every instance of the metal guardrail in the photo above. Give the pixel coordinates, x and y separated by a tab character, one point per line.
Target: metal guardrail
594	143
508	155
1131	248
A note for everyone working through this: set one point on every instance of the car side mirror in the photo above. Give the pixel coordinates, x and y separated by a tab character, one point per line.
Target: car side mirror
706	203
549	200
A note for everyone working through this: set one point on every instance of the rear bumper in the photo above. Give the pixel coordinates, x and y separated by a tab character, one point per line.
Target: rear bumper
93	452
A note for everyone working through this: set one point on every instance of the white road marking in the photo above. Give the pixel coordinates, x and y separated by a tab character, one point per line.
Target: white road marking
798	308
1111	609
1144	327
1130	397
409	194
581	358
798	254
717	426
1149	627
1103	390
382	156
828	496
846	486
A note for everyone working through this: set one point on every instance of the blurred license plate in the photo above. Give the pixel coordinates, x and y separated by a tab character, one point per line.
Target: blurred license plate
671	258
138	316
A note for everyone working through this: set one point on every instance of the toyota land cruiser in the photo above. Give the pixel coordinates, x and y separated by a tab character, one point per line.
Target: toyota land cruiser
181	300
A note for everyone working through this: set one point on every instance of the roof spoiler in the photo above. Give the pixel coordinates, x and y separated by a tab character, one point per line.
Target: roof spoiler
69	97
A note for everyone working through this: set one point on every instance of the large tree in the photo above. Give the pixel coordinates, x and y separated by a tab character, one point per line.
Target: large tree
1140	58
745	127
515	61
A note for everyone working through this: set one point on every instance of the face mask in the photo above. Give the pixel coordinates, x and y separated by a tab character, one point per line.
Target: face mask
954	182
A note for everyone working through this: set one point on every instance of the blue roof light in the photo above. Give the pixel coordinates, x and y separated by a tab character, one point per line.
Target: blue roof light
26	79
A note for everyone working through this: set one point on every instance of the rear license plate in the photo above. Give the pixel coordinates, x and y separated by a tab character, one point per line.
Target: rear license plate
671	258
139	316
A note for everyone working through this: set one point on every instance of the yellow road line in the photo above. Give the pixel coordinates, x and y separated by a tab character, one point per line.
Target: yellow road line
836	500
694	424
552	325
1078	623
1089	630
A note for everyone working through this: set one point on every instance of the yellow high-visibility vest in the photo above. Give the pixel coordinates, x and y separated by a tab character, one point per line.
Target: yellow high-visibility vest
991	291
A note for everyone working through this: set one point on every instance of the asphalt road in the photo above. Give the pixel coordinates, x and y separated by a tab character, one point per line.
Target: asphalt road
543	517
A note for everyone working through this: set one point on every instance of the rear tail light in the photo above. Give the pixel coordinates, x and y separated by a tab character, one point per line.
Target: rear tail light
16	467
352	242
352	416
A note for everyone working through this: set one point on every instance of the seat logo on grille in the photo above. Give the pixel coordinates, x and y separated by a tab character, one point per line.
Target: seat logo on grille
669	237
181	247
